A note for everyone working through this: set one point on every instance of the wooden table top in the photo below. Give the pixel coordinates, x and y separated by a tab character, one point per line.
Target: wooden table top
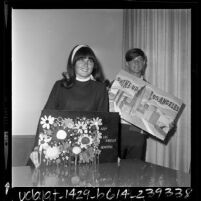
128	173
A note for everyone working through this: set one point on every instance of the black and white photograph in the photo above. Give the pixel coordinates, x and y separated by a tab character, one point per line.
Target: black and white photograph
64	62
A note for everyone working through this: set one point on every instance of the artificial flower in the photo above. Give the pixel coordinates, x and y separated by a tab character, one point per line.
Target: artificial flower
98	136
61	134
68	123
66	146
52	153
58	121
76	150
49	132
80	126
85	140
43	141
47	121
87	155
96	122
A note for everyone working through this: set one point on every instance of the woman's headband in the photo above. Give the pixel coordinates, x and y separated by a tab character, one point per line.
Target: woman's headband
75	50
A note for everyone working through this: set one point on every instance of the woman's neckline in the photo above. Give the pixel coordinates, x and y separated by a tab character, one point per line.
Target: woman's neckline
83	79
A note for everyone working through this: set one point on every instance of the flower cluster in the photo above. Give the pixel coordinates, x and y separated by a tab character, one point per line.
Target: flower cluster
63	139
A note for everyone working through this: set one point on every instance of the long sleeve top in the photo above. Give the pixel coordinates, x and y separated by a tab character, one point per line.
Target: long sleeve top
82	96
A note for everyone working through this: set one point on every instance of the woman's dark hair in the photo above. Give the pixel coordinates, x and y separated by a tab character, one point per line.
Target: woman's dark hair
135	52
82	52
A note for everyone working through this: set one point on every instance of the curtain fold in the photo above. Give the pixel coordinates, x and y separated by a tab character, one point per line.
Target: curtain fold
165	36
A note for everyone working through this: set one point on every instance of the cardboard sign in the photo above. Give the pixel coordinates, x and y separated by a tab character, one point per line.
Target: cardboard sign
66	137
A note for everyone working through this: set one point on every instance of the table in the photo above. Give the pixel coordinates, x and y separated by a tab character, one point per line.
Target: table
127	173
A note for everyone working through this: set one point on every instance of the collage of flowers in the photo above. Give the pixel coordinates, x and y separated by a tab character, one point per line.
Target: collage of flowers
66	140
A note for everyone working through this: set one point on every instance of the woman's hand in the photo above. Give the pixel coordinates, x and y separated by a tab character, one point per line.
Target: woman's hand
34	156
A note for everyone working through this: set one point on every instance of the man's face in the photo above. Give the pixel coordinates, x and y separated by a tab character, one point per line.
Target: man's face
136	66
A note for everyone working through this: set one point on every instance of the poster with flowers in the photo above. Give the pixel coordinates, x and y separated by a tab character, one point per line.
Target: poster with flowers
71	137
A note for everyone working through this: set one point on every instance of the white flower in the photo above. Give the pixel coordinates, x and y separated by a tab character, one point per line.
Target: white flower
46	121
43	141
76	150
81	126
52	153
96	122
99	135
85	140
97	138
61	134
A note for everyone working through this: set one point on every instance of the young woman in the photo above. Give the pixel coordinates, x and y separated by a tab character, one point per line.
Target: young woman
82	88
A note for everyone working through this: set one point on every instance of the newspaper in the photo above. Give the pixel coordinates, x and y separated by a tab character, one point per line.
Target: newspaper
144	105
